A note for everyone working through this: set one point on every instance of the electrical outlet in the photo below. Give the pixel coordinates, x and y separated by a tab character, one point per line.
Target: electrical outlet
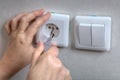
61	23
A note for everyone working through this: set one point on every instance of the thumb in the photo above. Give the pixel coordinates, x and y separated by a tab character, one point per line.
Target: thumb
38	51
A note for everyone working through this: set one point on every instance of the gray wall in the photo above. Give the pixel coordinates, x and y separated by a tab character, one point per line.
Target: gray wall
84	65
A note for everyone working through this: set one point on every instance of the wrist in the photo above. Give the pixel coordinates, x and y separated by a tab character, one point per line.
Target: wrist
8	67
4	70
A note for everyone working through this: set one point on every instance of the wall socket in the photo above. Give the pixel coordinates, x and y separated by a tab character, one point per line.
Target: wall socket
61	24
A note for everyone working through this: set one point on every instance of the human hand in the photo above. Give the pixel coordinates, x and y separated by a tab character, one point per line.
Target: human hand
21	30
47	66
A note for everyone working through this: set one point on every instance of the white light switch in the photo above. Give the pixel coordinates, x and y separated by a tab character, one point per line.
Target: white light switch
92	33
85	34
62	23
98	35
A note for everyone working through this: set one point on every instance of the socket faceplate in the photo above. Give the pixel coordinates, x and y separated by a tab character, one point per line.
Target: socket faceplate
61	24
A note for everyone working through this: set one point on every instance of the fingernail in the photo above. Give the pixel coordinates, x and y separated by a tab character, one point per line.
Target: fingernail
39	43
48	14
41	11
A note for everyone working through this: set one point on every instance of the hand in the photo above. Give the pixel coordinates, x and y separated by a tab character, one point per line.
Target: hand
21	30
47	66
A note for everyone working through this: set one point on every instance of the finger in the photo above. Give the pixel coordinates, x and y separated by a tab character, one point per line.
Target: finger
32	15
61	78
8	27
55	68
62	75
37	53
53	44
68	76
53	50
32	30
25	20
15	21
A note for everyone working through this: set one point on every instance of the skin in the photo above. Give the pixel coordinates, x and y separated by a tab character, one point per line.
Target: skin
47	66
21	30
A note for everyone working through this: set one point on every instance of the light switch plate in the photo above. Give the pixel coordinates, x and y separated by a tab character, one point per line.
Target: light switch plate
62	22
92	33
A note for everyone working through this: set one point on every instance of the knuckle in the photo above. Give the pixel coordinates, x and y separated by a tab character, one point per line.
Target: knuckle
36	24
40	21
55	48
55	62
68	72
30	15
19	38
49	57
23	19
58	64
33	14
13	20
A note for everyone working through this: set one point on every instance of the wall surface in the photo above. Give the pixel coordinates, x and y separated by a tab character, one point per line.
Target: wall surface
84	65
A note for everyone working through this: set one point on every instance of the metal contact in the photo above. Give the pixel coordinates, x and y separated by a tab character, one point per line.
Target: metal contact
55	28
